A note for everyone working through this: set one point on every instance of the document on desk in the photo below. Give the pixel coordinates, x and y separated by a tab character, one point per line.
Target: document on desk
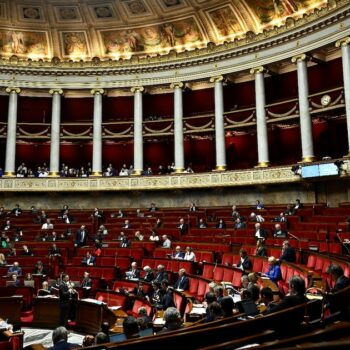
114	308
93	301
198	310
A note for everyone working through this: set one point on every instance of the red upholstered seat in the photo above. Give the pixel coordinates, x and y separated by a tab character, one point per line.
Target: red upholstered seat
236	279
208	271
193	286
112	299
202	288
311	261
137	304
218	273
228	274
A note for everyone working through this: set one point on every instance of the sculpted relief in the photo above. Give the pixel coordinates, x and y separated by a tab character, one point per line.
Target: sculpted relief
151	38
74	44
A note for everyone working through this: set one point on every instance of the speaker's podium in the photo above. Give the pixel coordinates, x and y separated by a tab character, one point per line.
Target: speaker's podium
91	313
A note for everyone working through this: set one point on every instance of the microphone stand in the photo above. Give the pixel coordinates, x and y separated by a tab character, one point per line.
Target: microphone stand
297	238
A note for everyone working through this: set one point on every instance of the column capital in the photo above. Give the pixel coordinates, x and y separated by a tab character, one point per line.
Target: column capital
56	91
343	42
10	90
257	70
97	91
178	84
137	89
217	79
301	57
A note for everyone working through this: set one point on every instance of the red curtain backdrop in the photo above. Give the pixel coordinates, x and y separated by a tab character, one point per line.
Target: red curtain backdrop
198	101
158	153
200	154
77	109
118	108
34	109
4	103
161	105
281	87
242	94
117	154
33	154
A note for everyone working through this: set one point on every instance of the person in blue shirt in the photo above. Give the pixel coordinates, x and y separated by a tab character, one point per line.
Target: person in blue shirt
274	270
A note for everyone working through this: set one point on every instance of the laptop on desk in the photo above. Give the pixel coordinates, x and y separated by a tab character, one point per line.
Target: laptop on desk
248	307
29	283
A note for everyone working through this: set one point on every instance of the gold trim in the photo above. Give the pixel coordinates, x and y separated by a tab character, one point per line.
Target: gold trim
347	155
137	89
343	42
308	159
220	168
263	165
179	170
216	79
136	172
54	174
298	58
56	91
96	173
97	91
259	69
176	85
10	174
13	89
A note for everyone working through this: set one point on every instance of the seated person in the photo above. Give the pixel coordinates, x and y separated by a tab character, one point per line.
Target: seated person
14	269
288	253
289	210
127	224
166	242
239	224
54	251
60	340
178	254
221	224
154	237
227	305
133	273
266	300
26	251
280	218
202	223
138	236
259	232
87	281
274	270
143	320
131	328
4	326
278	232
168	296
153	207
39	268
140	292
161	274
295	296
2	259
256	217
244	263
15	282
189	254
16	211
45	290
149	275
157	295
337	274
124	242
183	282
88	260
259	205
183	227
298	204
260	248
172	319
47	225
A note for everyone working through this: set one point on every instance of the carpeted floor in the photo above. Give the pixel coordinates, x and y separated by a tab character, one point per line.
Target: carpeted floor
44	337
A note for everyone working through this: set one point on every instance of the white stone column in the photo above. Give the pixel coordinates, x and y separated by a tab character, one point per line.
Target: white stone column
97	133
345	50
219	123
178	128
10	157
261	127
138	136
307	146
55	131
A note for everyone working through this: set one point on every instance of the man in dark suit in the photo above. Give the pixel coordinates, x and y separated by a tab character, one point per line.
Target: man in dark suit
244	263
16	211
65	295
81	236
260	233
89	260
183	282
86	282
288	253
183	227
178	254
133	273
296	295
54	251
60	340
127	224
161	274
298	204
278	232
337	274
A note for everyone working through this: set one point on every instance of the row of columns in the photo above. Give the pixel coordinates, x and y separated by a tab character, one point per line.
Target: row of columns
262	135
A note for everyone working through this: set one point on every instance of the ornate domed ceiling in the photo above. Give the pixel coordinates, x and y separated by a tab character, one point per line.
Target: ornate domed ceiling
83	29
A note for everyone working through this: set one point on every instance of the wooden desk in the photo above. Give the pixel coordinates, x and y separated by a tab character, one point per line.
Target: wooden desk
46	312
11	309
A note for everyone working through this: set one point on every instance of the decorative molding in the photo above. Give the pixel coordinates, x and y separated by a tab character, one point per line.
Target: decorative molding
177	85
97	91
56	91
257	70
137	89
217	79
343	42
298	58
251	177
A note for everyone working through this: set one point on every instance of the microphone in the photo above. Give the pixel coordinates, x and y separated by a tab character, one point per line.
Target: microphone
293	236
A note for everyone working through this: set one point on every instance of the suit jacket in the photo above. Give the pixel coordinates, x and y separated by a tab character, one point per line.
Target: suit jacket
289	301
64	294
288	255
263	233
341	282
182	283
149	276
246	265
160	276
183	229
81	237
133	274
221	225
179	255
86	283
89	261
279	233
